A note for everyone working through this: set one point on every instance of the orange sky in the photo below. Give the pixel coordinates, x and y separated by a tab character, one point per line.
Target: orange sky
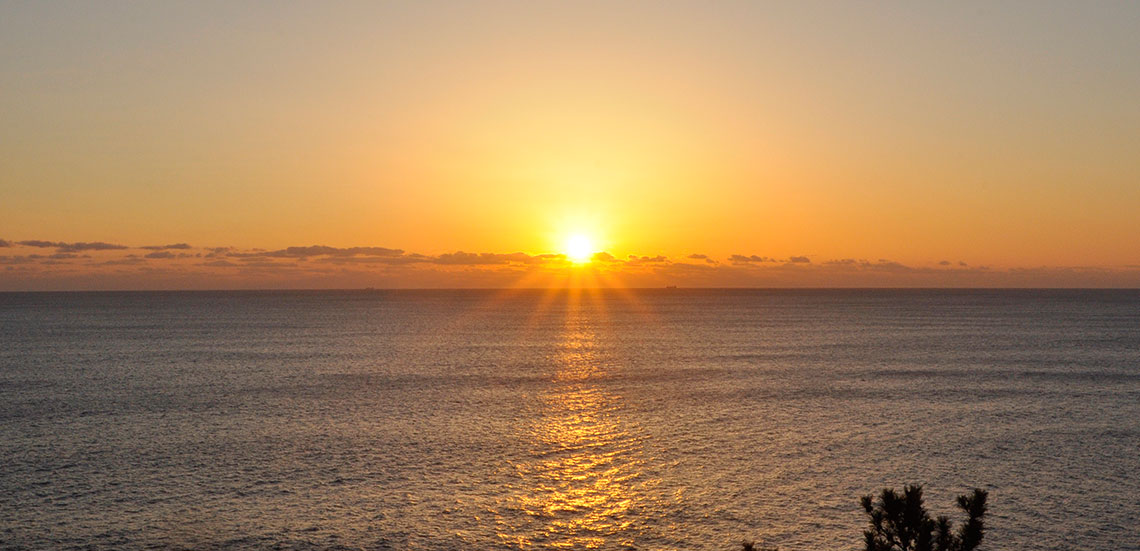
1001	136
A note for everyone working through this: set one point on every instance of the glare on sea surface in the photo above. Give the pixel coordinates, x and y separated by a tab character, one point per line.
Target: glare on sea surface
578	487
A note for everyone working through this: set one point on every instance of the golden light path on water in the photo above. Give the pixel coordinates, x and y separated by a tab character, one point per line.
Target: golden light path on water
578	487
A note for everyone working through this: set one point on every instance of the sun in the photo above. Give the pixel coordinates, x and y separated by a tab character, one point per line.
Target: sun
579	249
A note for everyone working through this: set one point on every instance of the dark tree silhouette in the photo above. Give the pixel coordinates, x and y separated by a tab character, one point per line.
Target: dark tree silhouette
749	545
899	522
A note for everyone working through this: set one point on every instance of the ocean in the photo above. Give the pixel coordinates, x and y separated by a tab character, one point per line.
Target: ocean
528	419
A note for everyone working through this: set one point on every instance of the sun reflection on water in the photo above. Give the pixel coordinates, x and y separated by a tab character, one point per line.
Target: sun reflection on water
577	488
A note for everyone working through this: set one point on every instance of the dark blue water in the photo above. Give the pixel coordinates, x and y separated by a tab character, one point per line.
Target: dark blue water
668	419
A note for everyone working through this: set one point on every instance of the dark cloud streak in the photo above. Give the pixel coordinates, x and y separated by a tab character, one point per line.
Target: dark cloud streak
742	259
471	259
179	246
72	247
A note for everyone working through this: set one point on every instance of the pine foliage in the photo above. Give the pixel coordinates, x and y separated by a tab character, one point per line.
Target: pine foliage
900	522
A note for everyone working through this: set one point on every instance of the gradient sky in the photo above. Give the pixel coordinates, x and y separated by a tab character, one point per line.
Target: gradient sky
1004	135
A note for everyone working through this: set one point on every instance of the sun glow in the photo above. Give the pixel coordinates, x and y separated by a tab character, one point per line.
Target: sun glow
579	249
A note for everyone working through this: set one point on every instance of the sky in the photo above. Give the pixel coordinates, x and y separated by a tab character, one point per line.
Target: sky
689	143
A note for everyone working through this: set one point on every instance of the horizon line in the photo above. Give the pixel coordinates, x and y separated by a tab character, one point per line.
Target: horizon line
661	288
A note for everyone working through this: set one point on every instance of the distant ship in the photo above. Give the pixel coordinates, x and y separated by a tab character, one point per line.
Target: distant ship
670	286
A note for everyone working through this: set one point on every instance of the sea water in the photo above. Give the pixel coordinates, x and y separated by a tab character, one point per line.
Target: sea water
616	419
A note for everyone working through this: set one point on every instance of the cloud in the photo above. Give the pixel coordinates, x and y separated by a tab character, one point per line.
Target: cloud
311	251
125	261
392	260
319	266
882	265
38	243
51	259
704	257
320	250
95	246
741	259
890	266
634	259
72	247
16	260
264	263
475	259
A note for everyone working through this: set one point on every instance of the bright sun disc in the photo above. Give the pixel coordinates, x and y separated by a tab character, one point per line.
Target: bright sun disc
579	249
